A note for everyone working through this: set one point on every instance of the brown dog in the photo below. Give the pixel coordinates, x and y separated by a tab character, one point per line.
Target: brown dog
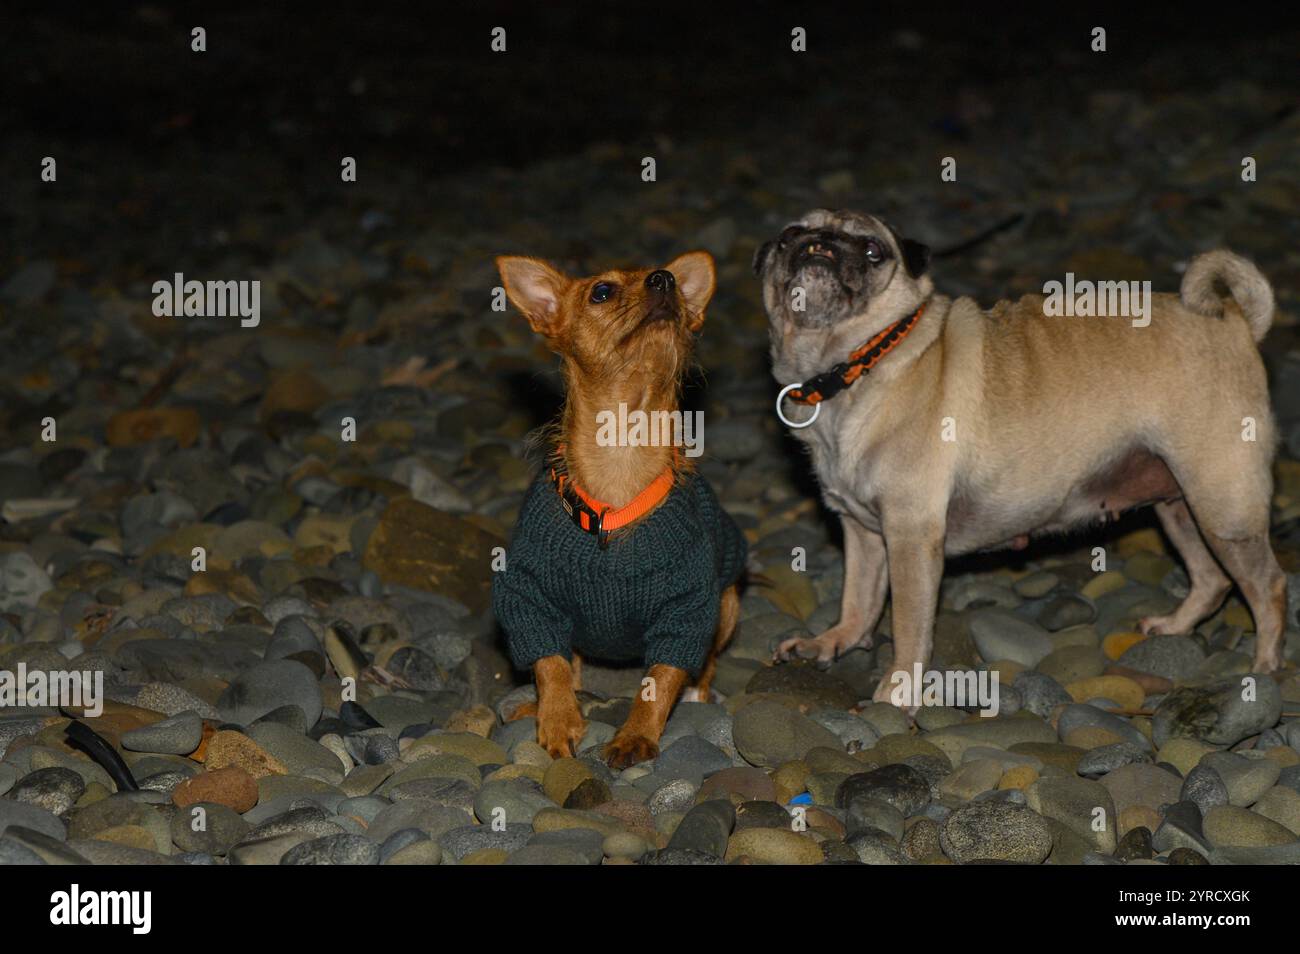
968	430
621	550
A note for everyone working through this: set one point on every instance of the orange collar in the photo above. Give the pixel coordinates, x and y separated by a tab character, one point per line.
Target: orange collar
597	517
830	383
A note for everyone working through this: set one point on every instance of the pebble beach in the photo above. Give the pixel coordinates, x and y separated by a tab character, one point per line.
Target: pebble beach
331	687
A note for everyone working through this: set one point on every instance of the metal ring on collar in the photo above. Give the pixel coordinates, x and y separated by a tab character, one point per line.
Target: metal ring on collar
817	408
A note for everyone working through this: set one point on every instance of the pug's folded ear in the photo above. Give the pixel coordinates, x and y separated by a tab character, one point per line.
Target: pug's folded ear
916	257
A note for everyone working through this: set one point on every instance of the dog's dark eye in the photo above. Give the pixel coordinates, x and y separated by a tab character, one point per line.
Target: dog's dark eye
788	235
873	251
601	291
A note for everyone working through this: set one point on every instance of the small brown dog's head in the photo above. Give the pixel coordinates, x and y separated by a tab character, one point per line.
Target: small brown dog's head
830	267
618	322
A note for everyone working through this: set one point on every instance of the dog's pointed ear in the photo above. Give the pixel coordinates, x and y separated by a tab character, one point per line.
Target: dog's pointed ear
696	279
916	257
760	257
535	288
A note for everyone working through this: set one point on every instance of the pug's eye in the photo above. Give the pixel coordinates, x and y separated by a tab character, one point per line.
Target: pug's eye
601	291
873	251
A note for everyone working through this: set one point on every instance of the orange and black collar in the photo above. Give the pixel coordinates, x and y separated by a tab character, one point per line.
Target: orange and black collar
597	517
824	386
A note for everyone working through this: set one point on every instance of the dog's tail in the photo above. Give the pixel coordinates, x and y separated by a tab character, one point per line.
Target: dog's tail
1247	285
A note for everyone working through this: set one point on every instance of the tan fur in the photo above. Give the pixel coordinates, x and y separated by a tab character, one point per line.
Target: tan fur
1248	288
632	349
610	358
560	726
638	739
1058	422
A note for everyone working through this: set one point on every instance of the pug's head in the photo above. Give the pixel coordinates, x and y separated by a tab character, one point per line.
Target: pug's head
829	270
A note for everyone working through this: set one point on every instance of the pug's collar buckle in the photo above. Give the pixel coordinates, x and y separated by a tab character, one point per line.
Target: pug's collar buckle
824	386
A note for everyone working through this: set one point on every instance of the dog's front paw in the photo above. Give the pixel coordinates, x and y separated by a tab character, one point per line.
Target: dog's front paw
560	729
1268	662
893	691
628	749
823	650
1160	626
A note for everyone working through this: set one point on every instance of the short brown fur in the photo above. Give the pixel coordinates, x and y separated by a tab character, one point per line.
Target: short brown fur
632	349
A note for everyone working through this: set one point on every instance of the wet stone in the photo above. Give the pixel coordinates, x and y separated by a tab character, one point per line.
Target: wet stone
53	789
898	785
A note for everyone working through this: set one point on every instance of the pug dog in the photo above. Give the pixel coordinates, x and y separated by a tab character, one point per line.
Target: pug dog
937	428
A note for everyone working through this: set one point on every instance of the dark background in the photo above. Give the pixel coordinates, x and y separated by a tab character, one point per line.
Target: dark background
421	77
225	164
156	141
173	159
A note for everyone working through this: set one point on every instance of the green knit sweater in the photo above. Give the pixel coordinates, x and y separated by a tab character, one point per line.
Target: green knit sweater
651	595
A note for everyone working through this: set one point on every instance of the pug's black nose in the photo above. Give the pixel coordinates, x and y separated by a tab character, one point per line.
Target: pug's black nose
660	280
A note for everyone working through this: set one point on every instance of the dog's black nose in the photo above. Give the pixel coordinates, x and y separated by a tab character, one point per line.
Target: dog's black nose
661	280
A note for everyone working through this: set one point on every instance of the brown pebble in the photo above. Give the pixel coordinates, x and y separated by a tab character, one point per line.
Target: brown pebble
1151	684
228	747
230	786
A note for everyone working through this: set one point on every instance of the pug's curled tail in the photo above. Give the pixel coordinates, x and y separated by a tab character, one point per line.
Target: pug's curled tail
1247	285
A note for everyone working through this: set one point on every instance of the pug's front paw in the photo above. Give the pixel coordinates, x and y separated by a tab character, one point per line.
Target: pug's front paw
822	650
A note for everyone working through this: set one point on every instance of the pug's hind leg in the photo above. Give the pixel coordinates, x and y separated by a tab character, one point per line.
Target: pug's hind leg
1209	584
866	581
1229	498
1263	584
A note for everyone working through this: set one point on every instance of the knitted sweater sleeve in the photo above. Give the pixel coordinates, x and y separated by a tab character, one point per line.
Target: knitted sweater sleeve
681	631
524	599
536	626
